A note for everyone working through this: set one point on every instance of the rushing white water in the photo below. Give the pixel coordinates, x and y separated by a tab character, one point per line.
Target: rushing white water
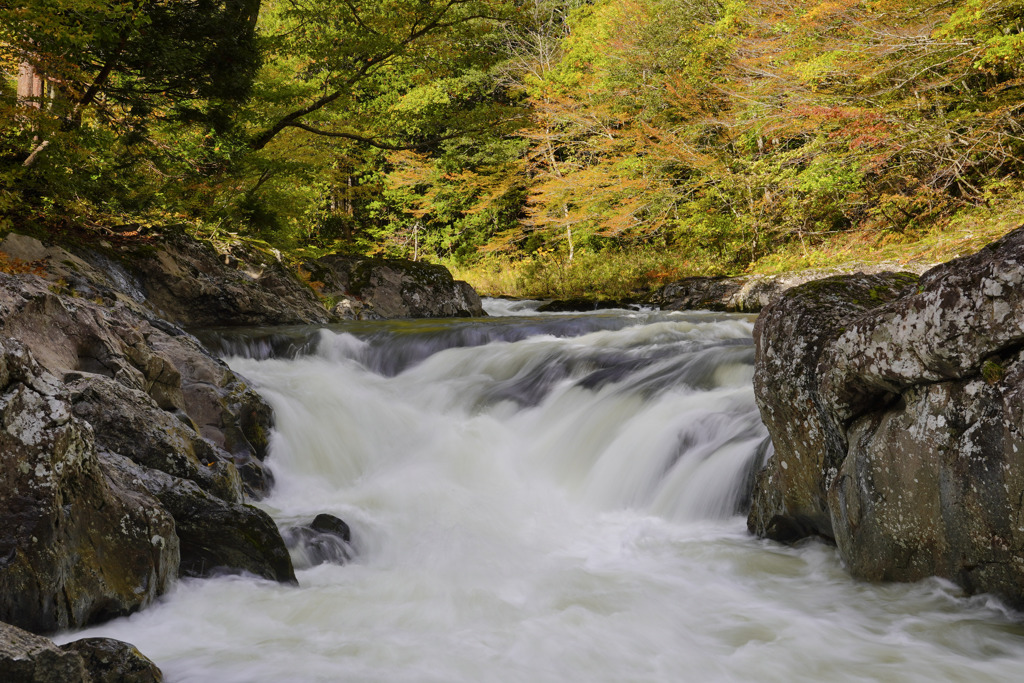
545	498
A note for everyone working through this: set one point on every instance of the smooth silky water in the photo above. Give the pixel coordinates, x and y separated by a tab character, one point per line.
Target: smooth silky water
544	498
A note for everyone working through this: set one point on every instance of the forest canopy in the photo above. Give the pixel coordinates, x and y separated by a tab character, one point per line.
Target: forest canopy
716	132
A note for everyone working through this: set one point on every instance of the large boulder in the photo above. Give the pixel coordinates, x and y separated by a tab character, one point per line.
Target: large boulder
923	398
117	355
108	660
75	547
395	288
216	536
29	658
790	337
80	540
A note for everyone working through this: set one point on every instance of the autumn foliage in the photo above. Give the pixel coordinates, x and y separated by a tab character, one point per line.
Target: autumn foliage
691	136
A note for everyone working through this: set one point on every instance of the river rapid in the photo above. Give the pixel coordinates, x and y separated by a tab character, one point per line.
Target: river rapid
540	498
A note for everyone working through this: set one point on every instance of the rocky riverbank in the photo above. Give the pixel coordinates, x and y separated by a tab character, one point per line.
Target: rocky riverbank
751	293
740	294
895	409
129	454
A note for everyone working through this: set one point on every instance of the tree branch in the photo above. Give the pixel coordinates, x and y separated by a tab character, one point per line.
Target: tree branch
291	120
374	142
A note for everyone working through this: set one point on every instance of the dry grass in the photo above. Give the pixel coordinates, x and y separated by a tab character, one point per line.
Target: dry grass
618	275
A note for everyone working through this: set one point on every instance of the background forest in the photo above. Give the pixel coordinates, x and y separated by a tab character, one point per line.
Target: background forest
545	147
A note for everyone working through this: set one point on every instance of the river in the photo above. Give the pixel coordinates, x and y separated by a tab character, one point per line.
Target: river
544	498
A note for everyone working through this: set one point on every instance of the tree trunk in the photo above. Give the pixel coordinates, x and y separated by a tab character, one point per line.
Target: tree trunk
31	87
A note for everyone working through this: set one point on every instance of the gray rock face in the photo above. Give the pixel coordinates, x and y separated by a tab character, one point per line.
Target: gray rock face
791	336
114	661
28	658
75	548
216	536
81	541
189	283
920	407
194	284
146	385
395	288
751	293
126	420
700	294
185	281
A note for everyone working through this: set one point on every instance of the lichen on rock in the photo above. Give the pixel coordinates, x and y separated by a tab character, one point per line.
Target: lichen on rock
74	548
898	423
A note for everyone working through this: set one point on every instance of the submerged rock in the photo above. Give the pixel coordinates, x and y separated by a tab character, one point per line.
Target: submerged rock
575	305
327	539
917	409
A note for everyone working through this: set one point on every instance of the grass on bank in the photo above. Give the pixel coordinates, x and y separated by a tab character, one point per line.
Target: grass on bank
631	273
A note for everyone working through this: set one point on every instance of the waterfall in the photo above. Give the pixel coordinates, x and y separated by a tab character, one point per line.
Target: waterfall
543	497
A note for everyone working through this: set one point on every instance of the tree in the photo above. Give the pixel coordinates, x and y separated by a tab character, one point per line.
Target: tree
395	74
132	60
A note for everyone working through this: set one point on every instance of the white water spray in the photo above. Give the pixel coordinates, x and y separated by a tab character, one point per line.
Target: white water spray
548	498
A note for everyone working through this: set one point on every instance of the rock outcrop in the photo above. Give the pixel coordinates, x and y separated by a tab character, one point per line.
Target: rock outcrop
74	547
899	427
28	658
215	536
394	288
185	281
115	355
751	293
190	283
196	284
82	539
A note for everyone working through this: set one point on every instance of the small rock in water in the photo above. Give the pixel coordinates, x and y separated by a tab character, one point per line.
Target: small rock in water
329	524
327	539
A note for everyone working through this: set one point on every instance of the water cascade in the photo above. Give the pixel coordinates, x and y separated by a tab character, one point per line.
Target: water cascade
543	498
